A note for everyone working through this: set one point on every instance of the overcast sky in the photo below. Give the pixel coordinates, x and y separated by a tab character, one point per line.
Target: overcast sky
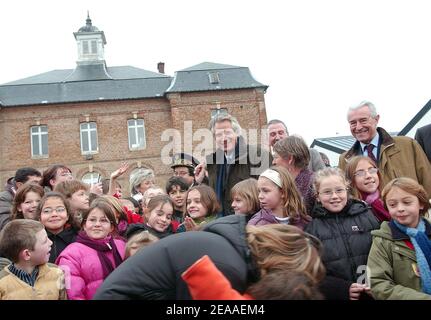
318	57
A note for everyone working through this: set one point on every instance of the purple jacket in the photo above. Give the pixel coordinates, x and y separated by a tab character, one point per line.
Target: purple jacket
83	270
304	182
264	217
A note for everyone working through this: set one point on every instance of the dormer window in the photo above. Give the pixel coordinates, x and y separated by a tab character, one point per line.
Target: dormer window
214	77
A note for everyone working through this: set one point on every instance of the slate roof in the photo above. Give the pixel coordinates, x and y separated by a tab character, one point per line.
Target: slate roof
94	82
338	144
85	83
197	78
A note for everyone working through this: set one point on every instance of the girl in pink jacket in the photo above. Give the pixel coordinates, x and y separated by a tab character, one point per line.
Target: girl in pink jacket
94	255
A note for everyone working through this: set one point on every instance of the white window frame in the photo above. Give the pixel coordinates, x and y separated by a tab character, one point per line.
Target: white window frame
214	77
215	112
88	131
135	126
39	133
89	44
93	179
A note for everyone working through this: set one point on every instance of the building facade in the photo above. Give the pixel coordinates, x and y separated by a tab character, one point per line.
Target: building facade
94	117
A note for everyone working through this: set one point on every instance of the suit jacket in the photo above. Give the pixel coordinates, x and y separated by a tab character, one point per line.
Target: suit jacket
398	157
423	137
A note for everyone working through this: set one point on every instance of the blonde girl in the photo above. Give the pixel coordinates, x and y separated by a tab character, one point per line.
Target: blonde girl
245	197
344	226
138	241
279	199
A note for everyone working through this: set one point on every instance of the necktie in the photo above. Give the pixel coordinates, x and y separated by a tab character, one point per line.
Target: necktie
369	149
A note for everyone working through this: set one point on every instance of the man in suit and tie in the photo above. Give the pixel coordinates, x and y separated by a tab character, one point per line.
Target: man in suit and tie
395	156
423	137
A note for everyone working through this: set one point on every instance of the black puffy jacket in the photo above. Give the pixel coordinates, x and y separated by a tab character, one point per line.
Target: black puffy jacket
346	238
155	272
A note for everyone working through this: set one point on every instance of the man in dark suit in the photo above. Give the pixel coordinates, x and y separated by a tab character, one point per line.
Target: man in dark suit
423	136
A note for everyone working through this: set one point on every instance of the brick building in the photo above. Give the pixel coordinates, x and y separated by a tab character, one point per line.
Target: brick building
94	117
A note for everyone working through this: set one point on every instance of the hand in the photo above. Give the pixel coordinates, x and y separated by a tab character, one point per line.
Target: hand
123	168
356	289
200	172
97	188
190	224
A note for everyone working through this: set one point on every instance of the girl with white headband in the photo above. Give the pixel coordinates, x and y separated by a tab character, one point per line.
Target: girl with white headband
279	199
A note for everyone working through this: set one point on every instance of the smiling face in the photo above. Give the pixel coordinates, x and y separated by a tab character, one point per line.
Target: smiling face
365	179
270	196
362	126
239	205
97	224
195	207
276	132
29	206
54	215
178	196
225	136
160	217
403	207
332	193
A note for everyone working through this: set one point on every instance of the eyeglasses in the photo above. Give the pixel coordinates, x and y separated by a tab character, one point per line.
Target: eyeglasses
362	173
362	121
50	210
94	221
328	193
181	173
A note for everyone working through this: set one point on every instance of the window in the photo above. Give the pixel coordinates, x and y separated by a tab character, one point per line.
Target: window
89	138
214	77
89	46
216	112
39	141
136	130
93	46
91	178
85	47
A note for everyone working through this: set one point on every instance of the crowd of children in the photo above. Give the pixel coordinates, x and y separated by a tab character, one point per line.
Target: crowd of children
347	238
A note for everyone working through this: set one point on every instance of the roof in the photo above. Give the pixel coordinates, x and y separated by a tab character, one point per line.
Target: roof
335	144
116	73
338	144
94	82
197	78
85	83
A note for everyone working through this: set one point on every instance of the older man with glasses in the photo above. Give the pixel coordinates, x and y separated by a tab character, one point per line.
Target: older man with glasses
395	156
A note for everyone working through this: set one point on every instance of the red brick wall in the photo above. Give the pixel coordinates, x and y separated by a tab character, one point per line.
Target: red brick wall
111	117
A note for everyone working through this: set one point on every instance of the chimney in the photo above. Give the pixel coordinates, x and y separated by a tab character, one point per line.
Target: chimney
161	67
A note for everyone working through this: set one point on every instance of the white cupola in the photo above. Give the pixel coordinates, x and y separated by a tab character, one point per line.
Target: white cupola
90	43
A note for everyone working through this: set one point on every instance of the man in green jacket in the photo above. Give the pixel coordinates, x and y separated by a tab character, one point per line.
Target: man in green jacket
233	161
395	156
